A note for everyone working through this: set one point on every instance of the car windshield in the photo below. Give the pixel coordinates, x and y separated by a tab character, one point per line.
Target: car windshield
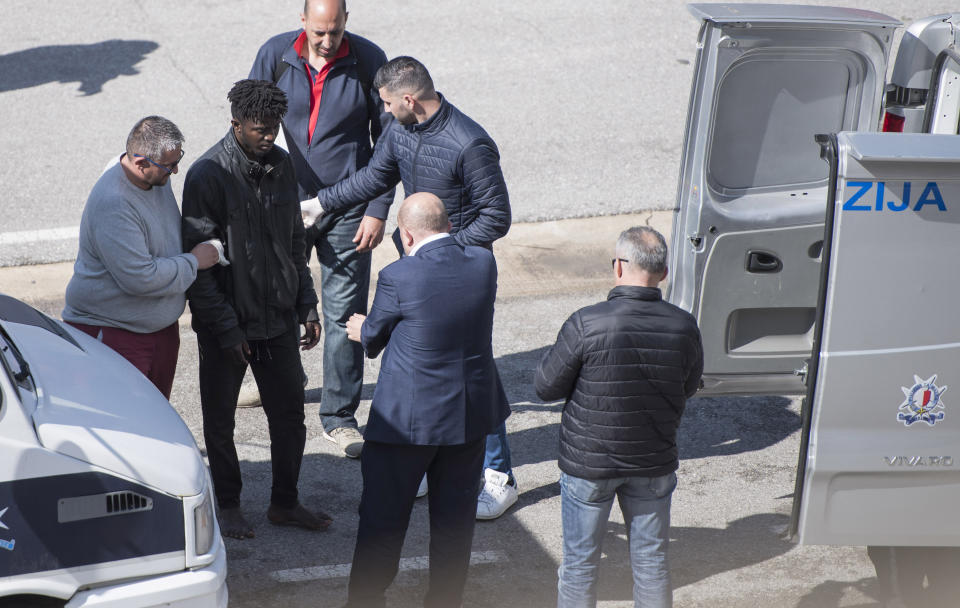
15	311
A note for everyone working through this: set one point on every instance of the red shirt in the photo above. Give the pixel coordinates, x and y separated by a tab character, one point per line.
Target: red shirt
317	79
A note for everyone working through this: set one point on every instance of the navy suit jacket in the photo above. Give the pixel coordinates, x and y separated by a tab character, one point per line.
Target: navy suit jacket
433	313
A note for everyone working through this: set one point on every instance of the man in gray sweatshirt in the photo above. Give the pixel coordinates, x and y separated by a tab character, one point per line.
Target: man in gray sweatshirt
130	278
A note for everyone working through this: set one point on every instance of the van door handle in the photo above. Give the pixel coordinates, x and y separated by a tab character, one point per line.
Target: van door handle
763	261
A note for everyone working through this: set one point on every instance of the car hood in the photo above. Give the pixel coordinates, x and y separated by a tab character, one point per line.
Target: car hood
95	406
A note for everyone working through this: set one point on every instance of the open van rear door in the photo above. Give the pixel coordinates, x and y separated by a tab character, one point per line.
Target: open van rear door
880	461
748	233
923	92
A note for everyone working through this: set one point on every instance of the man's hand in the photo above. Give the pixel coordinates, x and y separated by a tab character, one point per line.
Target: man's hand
310	211
311	335
354	325
206	254
239	354
369	234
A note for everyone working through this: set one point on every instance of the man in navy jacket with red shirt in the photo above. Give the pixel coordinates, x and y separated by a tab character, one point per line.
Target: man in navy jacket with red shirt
437	398
334	116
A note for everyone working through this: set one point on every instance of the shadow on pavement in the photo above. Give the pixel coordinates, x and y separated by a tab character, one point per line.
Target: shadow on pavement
91	65
696	553
722	426
829	594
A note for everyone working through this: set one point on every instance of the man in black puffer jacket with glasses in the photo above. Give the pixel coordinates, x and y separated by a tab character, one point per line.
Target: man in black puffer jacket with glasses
625	368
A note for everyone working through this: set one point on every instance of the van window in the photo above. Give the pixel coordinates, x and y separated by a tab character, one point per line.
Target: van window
770	104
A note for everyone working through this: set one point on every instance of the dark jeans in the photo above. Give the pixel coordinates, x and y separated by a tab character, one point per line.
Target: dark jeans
344	284
276	368
391	474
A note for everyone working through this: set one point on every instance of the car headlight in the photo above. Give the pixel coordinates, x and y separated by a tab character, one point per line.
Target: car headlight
203	524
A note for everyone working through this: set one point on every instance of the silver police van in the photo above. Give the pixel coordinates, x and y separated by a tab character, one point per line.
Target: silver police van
820	255
105	500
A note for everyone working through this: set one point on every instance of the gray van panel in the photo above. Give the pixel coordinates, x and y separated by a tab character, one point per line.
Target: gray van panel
879	468
751	181
910	94
787	13
922	41
942	111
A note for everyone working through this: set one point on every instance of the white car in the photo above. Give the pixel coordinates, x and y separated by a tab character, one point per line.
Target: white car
105	500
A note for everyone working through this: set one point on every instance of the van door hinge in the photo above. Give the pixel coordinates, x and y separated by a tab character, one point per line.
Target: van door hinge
802	372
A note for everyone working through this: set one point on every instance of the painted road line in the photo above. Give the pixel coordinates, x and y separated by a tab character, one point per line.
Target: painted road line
300	575
32	236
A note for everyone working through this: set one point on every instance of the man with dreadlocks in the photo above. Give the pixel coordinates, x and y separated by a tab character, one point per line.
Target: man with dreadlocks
246	310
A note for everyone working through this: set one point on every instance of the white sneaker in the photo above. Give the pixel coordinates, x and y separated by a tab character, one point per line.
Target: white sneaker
497	495
347	438
422	490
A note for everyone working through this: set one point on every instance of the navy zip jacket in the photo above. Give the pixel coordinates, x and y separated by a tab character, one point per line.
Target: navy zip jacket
448	155
349	116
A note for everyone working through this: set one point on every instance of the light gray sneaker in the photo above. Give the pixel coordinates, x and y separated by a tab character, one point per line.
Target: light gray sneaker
249	395
347	438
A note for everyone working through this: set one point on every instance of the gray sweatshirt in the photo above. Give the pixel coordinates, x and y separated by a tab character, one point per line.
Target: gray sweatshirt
131	271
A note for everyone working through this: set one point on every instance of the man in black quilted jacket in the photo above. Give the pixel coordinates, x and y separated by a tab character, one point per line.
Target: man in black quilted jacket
434	147
625	368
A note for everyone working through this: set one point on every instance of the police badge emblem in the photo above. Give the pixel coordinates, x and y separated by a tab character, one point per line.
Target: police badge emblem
922	402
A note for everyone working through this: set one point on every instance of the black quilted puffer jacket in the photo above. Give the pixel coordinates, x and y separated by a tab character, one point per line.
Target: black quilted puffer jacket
626	368
449	155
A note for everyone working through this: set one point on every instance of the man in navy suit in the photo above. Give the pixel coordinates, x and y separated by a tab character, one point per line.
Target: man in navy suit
437	398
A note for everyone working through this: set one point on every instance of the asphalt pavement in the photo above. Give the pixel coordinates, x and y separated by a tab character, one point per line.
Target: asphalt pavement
586	101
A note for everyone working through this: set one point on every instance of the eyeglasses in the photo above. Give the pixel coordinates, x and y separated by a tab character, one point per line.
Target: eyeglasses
613	262
167	168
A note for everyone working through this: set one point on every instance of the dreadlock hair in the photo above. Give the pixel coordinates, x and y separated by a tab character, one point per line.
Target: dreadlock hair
257	100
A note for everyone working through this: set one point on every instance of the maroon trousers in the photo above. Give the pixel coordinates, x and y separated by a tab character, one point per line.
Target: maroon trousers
154	354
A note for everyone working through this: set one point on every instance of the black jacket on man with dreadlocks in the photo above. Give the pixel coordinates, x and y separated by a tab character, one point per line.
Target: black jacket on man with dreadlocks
253	208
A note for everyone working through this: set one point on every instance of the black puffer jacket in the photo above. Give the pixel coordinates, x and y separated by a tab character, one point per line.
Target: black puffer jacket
626	367
449	155
254	210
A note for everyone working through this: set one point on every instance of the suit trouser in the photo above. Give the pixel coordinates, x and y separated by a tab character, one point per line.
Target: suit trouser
391	475
276	368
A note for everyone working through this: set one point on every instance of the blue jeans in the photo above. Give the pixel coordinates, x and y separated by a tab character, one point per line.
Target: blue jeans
585	508
497	453
344	284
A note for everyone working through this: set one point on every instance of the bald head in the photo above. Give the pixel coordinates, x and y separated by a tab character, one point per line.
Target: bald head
421	215
329	7
324	23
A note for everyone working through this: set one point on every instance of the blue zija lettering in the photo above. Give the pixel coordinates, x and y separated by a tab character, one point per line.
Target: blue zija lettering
851	203
929	196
